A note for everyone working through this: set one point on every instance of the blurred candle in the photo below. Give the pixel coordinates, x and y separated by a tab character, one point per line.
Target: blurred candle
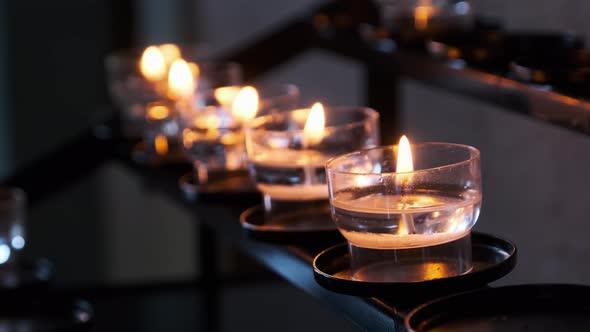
181	82
225	95
245	104
153	64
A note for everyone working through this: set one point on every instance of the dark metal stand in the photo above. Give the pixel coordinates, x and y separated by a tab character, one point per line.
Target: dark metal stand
210	290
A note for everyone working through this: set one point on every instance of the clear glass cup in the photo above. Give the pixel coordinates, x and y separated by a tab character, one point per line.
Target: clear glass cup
289	171
213	139
407	226
13	203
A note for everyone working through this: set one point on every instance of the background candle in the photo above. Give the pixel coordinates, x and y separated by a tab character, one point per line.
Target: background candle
287	150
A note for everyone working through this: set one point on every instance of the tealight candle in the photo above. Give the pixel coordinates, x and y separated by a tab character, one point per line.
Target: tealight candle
213	137
287	150
411	206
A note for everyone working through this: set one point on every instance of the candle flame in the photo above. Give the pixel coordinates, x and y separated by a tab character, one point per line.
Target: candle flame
153	64
422	14
245	104
313	132
225	95
161	144
170	52
181	83
158	112
404	162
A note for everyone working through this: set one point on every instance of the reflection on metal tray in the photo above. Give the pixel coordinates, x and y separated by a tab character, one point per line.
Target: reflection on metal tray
296	226
493	258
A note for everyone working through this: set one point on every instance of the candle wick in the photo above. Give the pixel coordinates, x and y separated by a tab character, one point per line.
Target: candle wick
406	218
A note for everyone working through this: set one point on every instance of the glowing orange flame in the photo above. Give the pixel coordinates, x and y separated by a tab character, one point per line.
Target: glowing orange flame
313	132
161	144
158	112
152	64
181	83
245	104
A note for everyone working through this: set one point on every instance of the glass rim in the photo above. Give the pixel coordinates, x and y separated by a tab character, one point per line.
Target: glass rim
371	114
283	89
475	154
214	110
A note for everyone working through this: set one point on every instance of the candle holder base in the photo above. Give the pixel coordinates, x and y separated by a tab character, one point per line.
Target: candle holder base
221	183
492	258
512	308
294	226
140	155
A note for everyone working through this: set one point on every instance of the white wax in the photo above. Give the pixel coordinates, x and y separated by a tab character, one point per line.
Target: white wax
304	192
291	159
450	213
395	241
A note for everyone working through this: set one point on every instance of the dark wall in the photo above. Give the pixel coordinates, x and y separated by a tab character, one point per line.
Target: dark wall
55	77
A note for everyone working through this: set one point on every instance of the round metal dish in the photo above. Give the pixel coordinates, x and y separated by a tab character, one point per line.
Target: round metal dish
511	308
493	258
299	226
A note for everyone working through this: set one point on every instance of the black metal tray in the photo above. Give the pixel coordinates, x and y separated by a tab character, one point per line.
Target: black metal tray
511	308
493	258
298	226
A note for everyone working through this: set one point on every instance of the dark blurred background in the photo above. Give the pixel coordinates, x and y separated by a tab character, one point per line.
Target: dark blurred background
52	83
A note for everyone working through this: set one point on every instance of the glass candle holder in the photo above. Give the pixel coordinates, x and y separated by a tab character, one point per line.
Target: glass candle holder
214	142
407	226
287	169
213	137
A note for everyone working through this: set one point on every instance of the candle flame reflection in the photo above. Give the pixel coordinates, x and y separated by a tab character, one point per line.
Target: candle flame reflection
153	64
313	132
158	112
245	104
161	144
422	14
181	83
